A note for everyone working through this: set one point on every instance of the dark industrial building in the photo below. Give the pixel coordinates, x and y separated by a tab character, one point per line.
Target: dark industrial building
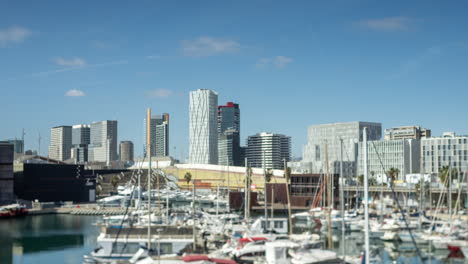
6	172
55	182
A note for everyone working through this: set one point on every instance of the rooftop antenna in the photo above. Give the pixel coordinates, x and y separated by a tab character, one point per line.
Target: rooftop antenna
22	138
39	144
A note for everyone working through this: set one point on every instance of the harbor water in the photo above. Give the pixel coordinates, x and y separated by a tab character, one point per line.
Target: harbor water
47	239
62	238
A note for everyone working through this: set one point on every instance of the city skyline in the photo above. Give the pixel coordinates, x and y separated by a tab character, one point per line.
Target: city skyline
395	63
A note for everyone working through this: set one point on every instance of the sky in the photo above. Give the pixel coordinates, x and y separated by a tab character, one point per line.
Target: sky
288	64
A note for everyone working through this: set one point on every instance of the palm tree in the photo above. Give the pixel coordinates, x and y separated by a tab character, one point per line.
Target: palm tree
444	172
188	177
268	174
392	173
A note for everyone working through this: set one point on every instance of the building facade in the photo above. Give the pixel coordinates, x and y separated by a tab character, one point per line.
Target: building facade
324	140
126	151
450	150
229	150
203	132
268	150
60	143
159	135
81	138
103	147
407	132
403	154
6	172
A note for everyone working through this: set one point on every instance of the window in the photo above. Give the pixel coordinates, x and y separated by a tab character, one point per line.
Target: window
165	248
317	153
125	248
278	224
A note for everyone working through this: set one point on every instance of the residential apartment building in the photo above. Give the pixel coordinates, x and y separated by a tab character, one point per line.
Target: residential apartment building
328	137
407	132
268	150
449	150
403	154
203	132
103	147
60	143
159	135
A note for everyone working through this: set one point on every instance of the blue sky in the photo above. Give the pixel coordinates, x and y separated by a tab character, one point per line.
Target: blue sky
289	64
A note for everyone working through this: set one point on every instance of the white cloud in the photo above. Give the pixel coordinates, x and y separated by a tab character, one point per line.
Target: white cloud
159	93
281	61
278	62
14	34
208	46
387	24
153	57
76	62
74	93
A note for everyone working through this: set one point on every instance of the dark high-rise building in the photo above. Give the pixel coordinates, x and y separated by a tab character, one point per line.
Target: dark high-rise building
81	138
159	135
228	117
229	150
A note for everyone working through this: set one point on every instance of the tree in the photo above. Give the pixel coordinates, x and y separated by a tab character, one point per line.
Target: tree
444	173
188	177
268	174
361	179
392	174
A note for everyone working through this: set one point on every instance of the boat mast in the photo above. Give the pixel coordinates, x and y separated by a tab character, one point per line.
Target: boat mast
329	199
265	191
148	154
366	199
341	185
247	192
288	176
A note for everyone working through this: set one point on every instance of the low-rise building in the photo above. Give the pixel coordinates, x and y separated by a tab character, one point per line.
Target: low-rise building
403	154
449	150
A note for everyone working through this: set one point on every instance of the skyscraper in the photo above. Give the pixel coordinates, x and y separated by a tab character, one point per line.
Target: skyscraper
268	150
126	151
103	147
229	151
81	138
159	135
203	133
60	143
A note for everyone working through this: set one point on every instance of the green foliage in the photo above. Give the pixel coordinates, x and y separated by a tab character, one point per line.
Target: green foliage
444	173
361	179
268	174
392	174
188	177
